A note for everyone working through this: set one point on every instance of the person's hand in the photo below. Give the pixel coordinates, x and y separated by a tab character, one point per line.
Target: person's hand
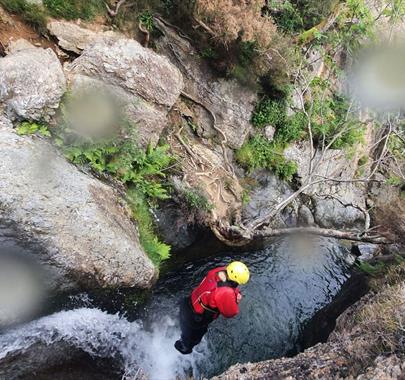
238	298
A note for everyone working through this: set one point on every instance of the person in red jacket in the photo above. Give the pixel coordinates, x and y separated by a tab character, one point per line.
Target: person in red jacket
217	294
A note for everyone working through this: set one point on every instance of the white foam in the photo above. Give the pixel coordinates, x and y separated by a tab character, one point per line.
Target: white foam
104	335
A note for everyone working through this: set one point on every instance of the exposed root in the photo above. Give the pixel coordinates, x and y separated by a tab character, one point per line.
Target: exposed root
114	12
146	33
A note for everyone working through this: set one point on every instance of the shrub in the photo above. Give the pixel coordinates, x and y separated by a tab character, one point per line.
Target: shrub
286	15
29	128
32	14
269	112
74	9
146	19
156	250
293	129
125	161
229	21
259	153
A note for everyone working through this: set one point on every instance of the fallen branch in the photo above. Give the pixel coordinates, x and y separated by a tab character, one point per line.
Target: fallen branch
347	235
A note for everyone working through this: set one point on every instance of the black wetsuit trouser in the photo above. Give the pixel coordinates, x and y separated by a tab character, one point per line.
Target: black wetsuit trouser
193	325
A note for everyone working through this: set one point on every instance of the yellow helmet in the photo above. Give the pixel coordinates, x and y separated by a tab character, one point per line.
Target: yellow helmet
238	272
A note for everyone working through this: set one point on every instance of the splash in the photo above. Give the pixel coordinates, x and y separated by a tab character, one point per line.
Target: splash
143	353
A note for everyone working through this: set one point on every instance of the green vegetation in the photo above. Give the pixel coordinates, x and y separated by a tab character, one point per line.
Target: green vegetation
331	120
286	15
258	153
74	9
371	270
269	112
146	19
32	14
156	250
196	200
142	172
29	128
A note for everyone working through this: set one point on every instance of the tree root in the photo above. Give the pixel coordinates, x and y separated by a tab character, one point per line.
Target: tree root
114	12
146	33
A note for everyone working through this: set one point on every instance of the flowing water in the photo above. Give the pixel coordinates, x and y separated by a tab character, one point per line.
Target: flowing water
290	281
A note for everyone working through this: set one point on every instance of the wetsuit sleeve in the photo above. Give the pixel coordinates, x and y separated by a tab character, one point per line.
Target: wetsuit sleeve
225	299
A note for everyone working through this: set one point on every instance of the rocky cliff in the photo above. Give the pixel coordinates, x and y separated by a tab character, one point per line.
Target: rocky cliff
368	343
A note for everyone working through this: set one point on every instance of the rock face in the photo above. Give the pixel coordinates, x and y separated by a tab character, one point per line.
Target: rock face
151	83
31	83
230	102
270	191
79	224
352	351
333	204
70	36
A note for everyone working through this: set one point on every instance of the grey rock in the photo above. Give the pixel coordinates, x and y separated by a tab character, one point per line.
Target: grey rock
150	82
335	204
361	360
269	132
230	102
18	45
336	213
270	191
174	228
365	251
70	36
31	83
305	217
82	228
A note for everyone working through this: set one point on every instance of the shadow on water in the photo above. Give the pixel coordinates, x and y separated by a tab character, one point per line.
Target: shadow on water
291	281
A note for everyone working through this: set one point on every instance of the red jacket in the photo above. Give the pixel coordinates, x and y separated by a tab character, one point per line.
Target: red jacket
219	299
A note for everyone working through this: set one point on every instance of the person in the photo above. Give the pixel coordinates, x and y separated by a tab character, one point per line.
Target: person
217	294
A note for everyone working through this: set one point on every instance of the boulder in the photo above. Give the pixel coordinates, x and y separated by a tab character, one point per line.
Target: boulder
230	102
150	82
269	192
365	251
32	83
70	36
78	225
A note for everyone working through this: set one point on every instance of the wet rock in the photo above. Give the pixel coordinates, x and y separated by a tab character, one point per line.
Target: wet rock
31	83
305	217
70	36
174	228
149	80
268	192
365	251
230	102
83	229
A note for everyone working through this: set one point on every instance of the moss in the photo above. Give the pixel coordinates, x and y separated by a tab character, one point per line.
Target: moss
156	250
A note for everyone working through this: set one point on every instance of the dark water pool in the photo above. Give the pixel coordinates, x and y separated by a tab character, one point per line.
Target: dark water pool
290	281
